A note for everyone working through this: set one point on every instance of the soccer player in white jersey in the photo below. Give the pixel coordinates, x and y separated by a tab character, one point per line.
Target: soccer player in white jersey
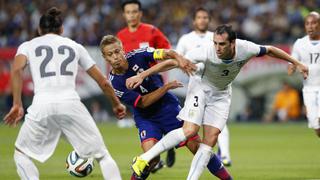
195	39
56	106
209	94
307	50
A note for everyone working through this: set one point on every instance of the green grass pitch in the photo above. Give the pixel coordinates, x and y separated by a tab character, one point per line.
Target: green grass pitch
259	152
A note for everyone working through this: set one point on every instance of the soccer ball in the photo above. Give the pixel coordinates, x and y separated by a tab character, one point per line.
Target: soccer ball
78	166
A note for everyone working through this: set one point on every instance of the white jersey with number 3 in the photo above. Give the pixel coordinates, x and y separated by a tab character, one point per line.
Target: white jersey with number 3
53	61
220	73
309	54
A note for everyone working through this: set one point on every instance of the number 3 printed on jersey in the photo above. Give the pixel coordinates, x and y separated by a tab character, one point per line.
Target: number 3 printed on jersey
48	57
196	104
225	72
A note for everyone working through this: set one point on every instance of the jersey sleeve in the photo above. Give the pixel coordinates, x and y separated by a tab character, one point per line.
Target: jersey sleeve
23	50
295	52
85	60
255	49
196	55
125	95
149	54
161	41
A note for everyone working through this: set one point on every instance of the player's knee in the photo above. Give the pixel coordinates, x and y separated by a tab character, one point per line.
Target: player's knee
190	130
211	138
18	153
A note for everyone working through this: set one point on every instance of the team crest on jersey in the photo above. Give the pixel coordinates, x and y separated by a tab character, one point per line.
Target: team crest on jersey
192	113
143	134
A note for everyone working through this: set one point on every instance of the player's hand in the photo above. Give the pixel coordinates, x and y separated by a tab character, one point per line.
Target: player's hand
134	81
186	66
174	84
14	116
291	69
303	69
120	111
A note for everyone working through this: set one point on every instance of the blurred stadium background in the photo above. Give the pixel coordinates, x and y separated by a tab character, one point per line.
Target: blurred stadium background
275	22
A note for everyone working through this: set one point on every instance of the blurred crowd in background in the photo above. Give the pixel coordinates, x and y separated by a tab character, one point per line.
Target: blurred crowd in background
263	21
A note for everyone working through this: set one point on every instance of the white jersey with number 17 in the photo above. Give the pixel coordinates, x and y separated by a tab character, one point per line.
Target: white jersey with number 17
308	53
53	61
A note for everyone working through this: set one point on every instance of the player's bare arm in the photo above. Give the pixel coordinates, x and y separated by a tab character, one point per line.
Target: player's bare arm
291	69
16	111
184	64
118	108
136	80
148	99
278	53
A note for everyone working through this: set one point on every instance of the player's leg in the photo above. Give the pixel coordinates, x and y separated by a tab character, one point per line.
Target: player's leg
191	113
146	145
214	165
150	133
26	169
311	101
170	140
37	140
214	120
223	144
204	153
83	134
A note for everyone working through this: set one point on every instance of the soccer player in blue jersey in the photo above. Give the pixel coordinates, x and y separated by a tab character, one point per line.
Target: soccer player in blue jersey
155	109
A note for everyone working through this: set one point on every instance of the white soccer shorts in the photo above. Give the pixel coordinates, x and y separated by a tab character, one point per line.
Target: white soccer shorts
312	102
206	106
39	134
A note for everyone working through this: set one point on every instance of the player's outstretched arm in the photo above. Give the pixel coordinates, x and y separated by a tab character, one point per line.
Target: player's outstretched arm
16	111
291	69
148	99
118	108
136	80
184	64
278	53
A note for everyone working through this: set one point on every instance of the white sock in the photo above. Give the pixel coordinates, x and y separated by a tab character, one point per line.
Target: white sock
199	162
25	166
223	142
109	168
167	142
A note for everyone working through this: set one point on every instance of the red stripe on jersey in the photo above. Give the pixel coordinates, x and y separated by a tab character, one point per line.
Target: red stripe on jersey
136	101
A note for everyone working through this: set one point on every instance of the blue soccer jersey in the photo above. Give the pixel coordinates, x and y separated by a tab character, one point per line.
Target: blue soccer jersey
140	60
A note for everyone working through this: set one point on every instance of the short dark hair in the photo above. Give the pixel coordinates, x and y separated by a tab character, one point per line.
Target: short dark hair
51	21
131	2
232	35
200	9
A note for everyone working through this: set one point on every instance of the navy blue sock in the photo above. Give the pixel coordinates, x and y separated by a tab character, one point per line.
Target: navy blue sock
216	168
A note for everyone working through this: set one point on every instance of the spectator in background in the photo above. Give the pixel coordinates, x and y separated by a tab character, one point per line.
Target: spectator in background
286	105
173	20
139	35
